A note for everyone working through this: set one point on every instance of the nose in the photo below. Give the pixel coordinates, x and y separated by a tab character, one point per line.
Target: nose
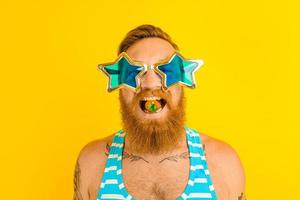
150	80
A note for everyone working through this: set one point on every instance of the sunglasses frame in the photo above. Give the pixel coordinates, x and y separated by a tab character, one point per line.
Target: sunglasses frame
146	67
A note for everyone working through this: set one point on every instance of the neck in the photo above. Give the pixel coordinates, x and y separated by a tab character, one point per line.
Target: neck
179	147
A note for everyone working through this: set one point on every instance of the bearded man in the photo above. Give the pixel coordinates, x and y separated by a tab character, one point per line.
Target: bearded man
155	156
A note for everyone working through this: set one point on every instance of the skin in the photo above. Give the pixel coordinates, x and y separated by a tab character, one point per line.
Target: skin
151	53
153	176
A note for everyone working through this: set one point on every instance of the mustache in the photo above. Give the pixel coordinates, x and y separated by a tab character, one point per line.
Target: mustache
166	95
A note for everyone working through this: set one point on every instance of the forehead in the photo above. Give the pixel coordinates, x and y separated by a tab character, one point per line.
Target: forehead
150	50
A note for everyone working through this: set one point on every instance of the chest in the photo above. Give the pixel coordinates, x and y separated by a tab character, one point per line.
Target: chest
155	181
164	182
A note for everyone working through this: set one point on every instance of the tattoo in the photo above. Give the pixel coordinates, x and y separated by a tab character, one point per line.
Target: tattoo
77	194
133	157
89	194
242	196
174	158
107	149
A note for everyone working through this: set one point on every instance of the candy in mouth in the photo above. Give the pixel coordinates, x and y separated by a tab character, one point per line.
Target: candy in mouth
152	104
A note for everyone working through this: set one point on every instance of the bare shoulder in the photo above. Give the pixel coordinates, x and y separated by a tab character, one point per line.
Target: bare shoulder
95	150
89	168
94	147
220	150
225	165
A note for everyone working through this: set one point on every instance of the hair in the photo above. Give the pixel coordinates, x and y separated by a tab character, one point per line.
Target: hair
144	31
153	136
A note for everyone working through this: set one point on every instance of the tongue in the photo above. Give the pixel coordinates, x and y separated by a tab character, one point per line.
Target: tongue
152	106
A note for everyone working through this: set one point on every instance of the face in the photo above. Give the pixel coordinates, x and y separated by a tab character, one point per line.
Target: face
159	129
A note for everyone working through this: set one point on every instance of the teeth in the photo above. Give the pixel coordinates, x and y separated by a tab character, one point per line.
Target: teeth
151	98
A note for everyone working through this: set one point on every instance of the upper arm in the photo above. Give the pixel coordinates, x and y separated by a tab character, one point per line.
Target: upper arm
228	172
90	161
80	185
232	172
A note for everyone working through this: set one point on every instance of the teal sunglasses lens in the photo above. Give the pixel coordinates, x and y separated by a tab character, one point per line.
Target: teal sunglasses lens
122	72
178	70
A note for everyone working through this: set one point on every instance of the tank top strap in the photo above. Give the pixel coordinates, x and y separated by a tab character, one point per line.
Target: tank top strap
199	167
195	146
111	181
115	152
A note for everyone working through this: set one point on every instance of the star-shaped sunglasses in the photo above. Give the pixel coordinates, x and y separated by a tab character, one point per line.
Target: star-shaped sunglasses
173	70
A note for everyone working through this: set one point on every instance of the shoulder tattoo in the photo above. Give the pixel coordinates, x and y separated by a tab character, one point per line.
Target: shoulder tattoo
242	197
76	181
106	152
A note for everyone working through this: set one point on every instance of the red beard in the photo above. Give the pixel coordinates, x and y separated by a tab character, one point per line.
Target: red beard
153	136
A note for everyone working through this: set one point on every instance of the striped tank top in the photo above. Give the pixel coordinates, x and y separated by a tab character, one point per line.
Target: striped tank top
199	186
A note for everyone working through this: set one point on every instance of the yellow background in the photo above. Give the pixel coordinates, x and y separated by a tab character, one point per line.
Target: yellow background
54	100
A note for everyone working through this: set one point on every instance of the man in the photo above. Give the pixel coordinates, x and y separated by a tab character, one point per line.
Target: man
160	158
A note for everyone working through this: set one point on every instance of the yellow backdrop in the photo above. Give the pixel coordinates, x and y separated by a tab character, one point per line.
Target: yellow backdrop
54	100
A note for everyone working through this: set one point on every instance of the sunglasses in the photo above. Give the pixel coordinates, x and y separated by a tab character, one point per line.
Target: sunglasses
127	72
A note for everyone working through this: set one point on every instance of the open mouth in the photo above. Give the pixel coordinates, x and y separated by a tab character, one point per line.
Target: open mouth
152	104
